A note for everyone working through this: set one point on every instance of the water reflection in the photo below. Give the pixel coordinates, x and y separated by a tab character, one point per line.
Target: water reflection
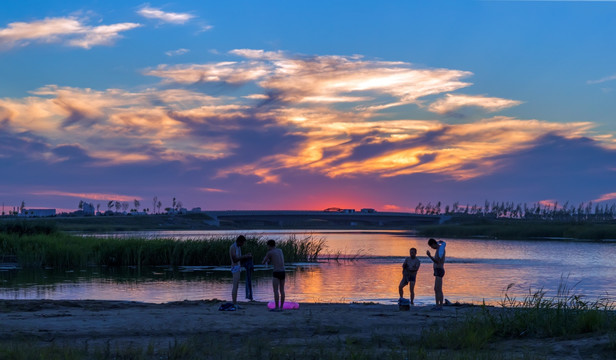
477	270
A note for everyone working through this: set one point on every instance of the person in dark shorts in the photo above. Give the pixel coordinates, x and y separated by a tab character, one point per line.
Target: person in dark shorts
409	274
275	256
438	261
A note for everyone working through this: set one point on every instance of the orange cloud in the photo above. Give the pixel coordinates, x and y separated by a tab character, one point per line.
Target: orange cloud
320	79
123	122
329	109
548	203
329	148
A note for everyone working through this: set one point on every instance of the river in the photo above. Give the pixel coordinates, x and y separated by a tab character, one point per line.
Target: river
476	271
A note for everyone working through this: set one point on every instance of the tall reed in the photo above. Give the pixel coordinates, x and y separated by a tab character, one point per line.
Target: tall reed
64	250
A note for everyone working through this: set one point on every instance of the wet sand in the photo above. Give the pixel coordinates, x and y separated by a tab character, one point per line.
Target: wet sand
92	323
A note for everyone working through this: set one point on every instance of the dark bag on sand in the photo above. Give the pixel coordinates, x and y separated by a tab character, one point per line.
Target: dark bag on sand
227	307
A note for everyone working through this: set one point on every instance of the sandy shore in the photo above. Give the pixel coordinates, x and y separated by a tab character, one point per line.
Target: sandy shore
92	323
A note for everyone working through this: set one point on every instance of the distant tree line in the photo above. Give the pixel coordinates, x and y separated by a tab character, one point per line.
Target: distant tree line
582	212
114	206
123	206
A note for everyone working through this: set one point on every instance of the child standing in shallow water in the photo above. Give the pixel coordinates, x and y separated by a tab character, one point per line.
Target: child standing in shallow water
409	274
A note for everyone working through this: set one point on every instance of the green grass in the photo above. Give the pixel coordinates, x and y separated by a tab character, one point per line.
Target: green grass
61	250
250	347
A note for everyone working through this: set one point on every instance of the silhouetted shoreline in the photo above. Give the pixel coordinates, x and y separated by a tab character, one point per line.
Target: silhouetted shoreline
456	227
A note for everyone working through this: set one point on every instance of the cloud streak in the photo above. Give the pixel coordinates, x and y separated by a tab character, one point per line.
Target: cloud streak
453	102
606	197
602	80
167	17
68	31
177	52
88	196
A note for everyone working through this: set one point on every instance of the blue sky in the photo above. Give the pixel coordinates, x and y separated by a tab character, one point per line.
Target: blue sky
286	105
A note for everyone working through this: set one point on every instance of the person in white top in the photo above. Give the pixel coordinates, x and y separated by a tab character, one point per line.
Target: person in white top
235	253
438	261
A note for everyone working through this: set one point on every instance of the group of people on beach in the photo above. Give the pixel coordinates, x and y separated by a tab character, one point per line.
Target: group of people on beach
274	255
411	266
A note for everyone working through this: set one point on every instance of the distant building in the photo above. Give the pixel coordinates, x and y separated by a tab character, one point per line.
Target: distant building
368	210
196	210
181	211
38	212
335	209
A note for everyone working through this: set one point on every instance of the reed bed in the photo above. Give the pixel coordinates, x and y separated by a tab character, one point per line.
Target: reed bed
61	250
23	227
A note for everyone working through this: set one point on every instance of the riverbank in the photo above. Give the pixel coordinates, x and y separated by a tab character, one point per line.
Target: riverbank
191	221
520	229
198	330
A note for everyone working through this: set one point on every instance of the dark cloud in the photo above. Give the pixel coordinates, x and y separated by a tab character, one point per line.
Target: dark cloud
78	117
71	153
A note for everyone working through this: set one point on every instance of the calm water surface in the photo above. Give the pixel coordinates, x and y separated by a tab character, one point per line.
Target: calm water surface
476	270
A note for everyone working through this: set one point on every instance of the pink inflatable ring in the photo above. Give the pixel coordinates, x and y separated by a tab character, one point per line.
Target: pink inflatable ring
288	305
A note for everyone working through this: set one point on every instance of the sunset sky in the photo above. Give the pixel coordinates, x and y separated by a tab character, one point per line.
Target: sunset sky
306	105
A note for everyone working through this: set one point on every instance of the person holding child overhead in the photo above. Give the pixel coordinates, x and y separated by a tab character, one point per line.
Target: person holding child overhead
438	261
409	274
276	257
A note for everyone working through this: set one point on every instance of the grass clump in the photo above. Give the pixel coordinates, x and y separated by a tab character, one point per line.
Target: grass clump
536	316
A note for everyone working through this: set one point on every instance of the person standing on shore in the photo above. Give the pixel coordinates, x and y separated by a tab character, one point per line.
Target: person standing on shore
409	274
235	252
276	257
438	261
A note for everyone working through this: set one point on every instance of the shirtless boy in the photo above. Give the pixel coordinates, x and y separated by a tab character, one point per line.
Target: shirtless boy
438	261
275	256
409	274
